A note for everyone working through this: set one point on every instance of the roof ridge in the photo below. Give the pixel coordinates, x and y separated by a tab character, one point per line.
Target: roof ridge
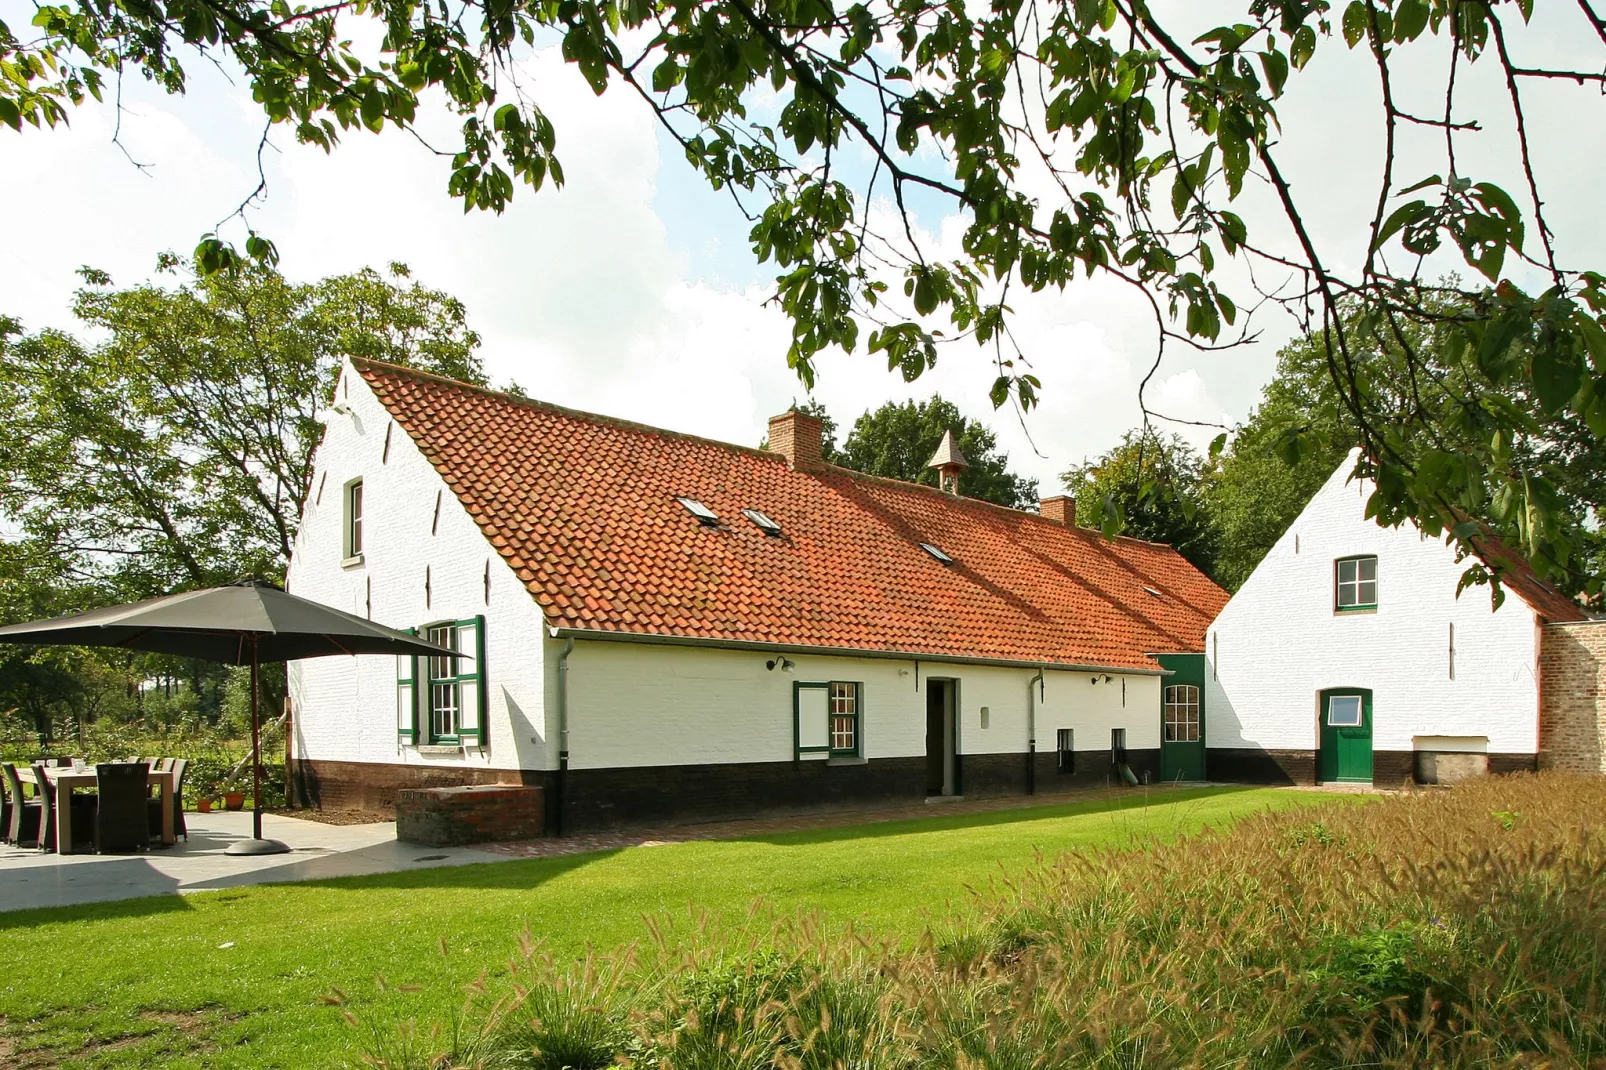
565	410
854	473
769	455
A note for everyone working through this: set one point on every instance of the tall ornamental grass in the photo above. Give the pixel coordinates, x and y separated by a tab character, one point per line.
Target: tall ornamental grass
1456	928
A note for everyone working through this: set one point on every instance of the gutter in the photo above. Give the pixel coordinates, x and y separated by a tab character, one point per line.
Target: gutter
844	652
561	782
1033	689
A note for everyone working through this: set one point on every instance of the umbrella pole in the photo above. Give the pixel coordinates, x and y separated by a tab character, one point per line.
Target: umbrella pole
256	750
256	845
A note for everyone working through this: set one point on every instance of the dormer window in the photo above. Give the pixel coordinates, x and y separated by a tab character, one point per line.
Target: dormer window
1355	584
705	516
763	522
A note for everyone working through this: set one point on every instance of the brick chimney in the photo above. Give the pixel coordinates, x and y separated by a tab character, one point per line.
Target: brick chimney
1060	509
796	436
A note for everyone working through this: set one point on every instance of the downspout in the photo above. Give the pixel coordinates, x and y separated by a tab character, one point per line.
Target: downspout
1033	686
563	736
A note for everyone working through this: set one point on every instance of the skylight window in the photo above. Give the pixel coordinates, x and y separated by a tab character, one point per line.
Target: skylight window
1152	591
705	516
763	522
938	554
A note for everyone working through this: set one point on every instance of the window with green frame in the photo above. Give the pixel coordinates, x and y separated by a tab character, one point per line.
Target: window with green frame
1355	583
441	701
827	718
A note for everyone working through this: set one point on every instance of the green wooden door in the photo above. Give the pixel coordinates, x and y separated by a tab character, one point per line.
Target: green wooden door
1182	718
1346	752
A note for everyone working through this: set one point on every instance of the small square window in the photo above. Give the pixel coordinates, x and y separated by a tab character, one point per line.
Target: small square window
1344	711
1065	750
352	507
1355	583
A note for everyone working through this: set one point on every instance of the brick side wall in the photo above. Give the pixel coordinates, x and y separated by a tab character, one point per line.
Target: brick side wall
1572	681
327	785
452	817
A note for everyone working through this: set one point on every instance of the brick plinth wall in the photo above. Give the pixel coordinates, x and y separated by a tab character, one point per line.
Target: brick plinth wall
326	785
1572	684
486	813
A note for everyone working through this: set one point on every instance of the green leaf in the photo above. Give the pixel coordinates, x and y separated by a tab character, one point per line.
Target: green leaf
1406	213
1356	21
1556	374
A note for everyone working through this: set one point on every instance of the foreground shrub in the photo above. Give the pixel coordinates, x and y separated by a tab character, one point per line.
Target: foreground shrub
1460	928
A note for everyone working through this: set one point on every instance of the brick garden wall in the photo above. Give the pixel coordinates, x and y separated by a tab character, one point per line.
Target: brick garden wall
1572	681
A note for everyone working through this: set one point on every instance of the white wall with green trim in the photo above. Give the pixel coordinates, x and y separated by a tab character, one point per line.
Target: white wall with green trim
1282	640
346	708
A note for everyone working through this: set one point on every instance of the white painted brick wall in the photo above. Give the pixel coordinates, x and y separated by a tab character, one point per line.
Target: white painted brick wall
1278	642
345	708
633	704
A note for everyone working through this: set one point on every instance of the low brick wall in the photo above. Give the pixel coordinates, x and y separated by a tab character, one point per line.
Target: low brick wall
484	813
1572	687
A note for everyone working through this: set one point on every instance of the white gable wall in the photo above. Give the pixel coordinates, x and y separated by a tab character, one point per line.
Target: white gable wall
1279	642
345	708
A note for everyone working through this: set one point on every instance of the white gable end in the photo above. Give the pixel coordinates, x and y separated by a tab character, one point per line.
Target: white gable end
423	560
1438	665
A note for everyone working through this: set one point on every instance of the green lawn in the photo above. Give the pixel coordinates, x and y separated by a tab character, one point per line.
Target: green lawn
151	983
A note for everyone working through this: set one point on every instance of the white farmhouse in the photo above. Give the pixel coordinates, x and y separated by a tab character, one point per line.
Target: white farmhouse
659	627
1347	656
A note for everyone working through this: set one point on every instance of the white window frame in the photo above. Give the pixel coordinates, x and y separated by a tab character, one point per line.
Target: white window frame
351	522
1360	711
1181	721
443	699
1355	584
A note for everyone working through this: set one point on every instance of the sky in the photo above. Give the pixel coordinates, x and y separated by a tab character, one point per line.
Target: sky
632	290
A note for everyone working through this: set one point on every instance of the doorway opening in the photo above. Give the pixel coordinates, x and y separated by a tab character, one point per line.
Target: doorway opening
1346	736
942	737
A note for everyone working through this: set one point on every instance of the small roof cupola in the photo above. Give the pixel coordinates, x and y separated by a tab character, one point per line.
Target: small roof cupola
949	461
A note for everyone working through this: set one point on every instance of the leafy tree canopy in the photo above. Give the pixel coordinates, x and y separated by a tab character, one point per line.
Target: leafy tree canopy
176	451
1075	137
1150	486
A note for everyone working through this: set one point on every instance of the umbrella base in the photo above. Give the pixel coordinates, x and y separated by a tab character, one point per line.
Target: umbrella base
257	847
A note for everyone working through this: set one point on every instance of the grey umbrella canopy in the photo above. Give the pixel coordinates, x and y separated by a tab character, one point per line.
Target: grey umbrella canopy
245	623
220	624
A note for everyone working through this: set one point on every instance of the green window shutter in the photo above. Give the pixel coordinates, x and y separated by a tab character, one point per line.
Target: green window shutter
811	718
472	728
407	696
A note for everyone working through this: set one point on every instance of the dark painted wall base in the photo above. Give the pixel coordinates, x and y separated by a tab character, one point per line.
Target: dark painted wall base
1251	765
1390	769
591	799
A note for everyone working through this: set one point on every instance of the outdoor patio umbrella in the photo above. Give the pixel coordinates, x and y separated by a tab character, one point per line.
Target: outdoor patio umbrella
245	623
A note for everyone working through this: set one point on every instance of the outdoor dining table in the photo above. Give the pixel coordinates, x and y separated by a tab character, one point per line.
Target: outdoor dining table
63	780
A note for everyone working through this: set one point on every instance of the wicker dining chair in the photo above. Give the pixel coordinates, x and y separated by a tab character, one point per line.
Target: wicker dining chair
22	820
44	836
121	820
154	805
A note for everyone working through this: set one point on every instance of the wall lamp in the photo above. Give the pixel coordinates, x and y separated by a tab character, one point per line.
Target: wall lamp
784	664
1107	678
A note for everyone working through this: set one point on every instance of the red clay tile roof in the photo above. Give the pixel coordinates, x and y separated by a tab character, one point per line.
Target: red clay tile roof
583	509
1518	576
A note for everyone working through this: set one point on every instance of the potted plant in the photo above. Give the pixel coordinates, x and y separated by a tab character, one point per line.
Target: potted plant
203	805
234	800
